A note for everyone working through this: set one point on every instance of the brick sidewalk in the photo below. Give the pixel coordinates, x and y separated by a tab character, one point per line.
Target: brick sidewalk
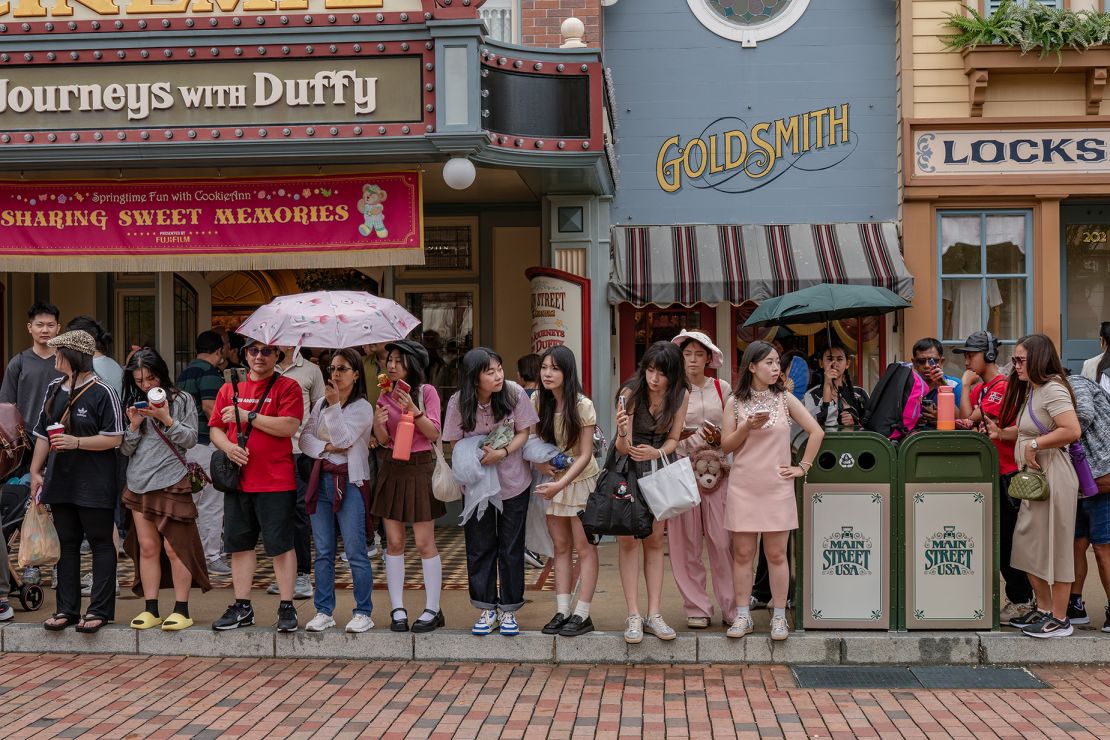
110	696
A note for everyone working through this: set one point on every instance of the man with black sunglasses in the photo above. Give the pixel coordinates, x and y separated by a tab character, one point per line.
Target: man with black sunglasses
269	410
928	361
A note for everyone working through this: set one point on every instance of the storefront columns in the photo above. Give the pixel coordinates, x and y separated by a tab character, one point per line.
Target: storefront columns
1047	280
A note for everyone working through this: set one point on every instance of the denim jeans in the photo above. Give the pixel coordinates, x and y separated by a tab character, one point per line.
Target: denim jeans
495	546
352	523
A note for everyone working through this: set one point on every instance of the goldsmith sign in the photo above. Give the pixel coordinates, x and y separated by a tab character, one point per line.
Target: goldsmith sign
144	95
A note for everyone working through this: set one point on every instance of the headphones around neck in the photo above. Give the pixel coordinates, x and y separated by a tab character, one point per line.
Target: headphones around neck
992	348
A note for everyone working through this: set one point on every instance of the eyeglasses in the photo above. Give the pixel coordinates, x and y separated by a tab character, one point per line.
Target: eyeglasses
932	361
339	369
264	351
1017	361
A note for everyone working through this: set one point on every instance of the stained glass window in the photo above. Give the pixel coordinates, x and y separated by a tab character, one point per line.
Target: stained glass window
748	12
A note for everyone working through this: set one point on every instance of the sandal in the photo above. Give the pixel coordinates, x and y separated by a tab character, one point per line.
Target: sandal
175	622
145	621
54	625
399	625
84	627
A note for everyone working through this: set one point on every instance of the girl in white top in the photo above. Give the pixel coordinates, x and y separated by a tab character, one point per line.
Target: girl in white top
337	436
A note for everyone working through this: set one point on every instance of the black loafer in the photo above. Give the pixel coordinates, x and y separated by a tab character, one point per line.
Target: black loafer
428	623
576	626
557	622
398	625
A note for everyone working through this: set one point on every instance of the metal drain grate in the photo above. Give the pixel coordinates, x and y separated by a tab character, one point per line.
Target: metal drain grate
976	677
920	677
854	677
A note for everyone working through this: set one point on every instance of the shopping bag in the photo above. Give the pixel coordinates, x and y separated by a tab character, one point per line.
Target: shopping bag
444	486
38	540
536	536
670	490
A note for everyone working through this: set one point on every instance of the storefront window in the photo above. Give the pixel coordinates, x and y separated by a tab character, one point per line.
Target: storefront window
447	321
137	313
984	279
184	323
1088	277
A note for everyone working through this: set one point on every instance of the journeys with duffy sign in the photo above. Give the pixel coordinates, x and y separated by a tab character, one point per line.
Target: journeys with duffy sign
561	315
342	221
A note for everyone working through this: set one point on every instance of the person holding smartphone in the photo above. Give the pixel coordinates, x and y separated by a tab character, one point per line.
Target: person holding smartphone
928	361
403	495
983	391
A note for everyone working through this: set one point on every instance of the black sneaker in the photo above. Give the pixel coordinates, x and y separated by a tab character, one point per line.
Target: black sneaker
1049	627
1077	610
287	618
1106	624
1031	617
557	623
577	626
236	616
533	559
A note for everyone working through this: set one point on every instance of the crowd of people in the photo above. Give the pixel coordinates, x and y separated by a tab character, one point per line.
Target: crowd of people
316	454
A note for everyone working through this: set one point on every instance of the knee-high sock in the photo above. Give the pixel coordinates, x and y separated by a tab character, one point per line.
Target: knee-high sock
433	581
395	579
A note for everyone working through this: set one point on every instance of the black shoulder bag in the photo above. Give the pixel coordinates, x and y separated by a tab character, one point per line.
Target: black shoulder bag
225	473
616	506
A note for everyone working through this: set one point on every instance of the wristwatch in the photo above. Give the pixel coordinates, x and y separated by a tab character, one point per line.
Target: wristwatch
1033	444
252	416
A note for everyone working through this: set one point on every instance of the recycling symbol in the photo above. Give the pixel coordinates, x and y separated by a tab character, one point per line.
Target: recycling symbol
847	461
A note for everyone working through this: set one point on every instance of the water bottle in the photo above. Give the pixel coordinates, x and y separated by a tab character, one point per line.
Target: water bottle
402	438
946	408
561	461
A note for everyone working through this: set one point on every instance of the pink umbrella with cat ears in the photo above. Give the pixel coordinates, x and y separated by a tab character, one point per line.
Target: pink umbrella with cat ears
329	319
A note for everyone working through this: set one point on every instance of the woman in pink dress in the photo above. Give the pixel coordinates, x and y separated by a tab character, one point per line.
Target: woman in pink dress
756	427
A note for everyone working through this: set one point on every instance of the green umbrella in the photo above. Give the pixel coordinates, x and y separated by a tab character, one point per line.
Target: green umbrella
825	302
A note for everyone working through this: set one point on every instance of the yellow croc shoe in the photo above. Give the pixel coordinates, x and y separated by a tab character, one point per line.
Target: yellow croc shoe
145	621
176	622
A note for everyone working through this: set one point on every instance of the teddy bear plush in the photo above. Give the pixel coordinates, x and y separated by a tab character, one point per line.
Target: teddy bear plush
709	469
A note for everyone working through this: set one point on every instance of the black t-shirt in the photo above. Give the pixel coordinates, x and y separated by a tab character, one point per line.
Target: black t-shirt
82	477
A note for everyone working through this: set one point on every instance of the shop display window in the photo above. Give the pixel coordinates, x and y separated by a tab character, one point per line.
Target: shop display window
1087	267
450	250
983	264
448	318
651	324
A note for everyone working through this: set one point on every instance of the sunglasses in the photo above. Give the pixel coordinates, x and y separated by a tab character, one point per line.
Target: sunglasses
264	351
339	369
1018	361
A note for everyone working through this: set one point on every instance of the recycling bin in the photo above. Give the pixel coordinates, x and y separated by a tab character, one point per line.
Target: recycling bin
846	574
949	529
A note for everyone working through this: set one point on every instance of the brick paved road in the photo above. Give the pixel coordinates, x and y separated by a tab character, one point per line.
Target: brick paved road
45	696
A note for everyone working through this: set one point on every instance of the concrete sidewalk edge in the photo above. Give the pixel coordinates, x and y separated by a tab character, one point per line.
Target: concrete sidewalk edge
811	648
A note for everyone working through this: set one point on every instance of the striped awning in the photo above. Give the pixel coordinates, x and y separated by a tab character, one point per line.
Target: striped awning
663	265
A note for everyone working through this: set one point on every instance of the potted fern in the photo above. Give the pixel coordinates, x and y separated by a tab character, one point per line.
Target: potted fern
1028	26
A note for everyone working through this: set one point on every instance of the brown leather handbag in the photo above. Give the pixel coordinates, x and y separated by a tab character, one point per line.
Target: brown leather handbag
13	439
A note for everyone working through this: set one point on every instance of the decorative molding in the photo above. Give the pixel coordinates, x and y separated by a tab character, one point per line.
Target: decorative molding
977	82
1096	83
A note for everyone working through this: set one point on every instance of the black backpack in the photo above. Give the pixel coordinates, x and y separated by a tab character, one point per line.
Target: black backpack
895	405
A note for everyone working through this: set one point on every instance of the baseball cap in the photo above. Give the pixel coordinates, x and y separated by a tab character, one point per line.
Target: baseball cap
979	341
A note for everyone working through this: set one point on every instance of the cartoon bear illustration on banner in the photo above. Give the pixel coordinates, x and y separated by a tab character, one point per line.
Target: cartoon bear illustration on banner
373	212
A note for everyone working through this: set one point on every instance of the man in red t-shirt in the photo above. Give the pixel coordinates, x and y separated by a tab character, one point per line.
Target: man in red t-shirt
984	388
270	406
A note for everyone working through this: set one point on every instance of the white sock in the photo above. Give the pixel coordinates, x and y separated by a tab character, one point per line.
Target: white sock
582	609
780	612
562	603
743	611
395	579
433	581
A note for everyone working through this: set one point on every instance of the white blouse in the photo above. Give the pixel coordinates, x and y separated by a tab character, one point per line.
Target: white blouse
347	428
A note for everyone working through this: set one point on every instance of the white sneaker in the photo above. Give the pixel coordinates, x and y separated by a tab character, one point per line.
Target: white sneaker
320	622
359	623
509	626
86	585
487	622
634	632
741	626
654	625
779	629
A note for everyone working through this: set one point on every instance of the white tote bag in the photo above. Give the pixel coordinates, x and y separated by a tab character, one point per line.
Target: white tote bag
444	486
671	489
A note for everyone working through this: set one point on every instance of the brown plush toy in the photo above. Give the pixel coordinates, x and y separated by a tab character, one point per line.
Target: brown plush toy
709	469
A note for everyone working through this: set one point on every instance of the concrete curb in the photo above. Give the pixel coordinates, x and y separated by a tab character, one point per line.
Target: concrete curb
810	648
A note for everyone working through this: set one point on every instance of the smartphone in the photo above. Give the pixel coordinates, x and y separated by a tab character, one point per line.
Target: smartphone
402	386
239	373
620	402
140	404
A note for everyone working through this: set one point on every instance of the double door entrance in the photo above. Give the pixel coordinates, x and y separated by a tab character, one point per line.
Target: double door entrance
1085	251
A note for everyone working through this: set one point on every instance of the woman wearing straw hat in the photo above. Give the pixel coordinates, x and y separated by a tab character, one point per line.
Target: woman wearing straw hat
74	471
706	523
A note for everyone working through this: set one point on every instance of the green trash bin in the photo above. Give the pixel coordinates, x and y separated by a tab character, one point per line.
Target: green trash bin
846	569
949	530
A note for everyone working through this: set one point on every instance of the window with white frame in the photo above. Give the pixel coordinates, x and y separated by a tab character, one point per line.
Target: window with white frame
984	263
993	5
748	21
